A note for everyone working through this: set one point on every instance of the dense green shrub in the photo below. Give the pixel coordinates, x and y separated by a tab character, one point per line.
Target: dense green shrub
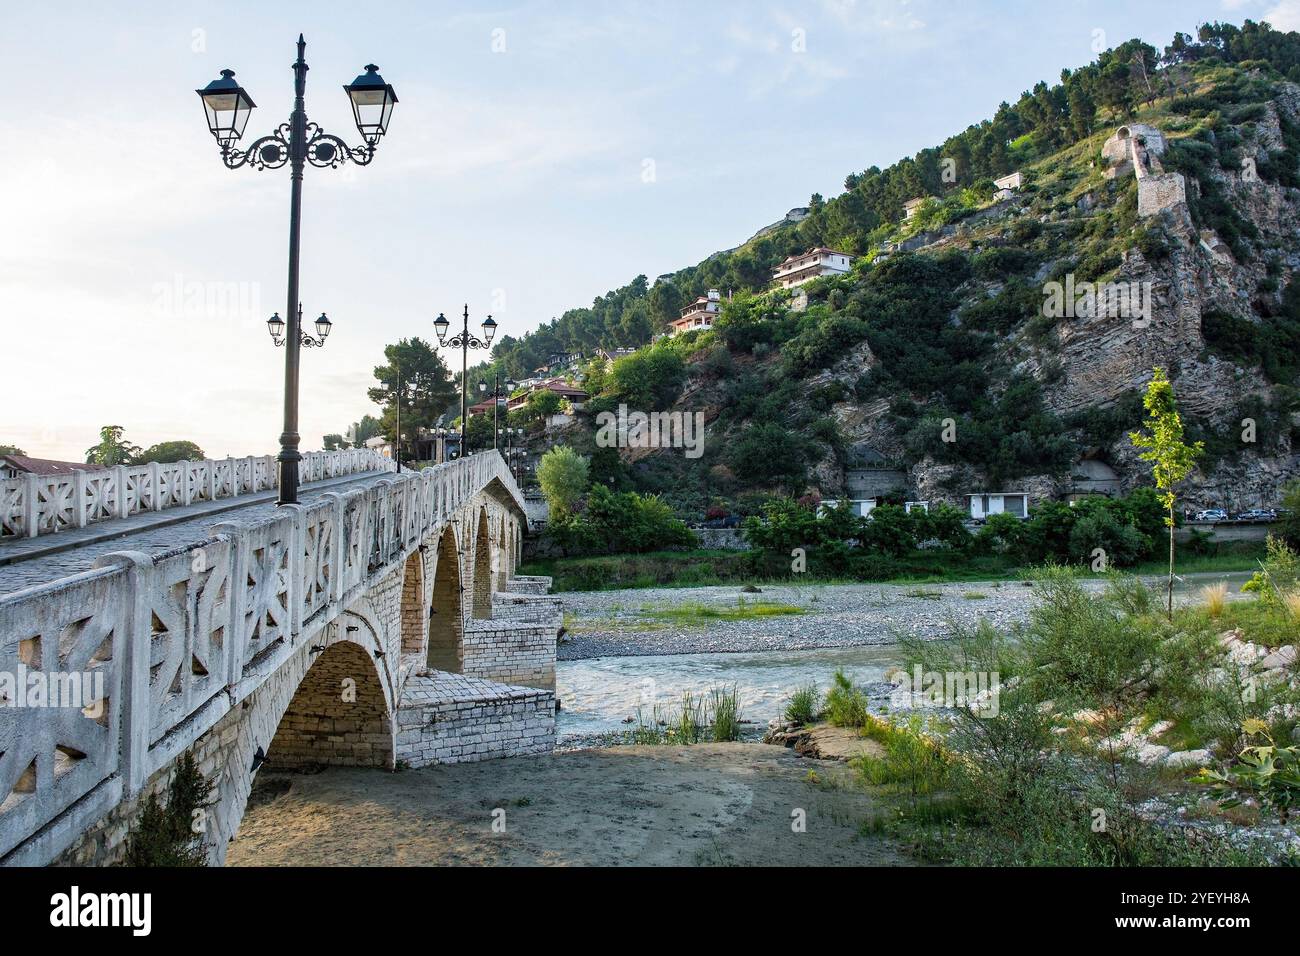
846	705
171	834
620	522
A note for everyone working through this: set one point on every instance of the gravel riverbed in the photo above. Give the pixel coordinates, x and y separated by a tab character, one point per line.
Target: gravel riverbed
638	621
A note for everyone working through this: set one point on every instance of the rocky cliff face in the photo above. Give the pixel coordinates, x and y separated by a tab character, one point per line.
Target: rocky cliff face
1098	359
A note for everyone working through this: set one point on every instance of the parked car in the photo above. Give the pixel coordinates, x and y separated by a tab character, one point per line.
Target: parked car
1211	514
1257	515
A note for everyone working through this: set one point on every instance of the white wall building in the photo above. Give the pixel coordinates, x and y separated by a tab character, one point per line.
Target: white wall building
796	270
700	314
1002	502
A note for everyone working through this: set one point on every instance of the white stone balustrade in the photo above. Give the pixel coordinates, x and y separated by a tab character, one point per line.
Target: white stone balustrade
180	639
32	505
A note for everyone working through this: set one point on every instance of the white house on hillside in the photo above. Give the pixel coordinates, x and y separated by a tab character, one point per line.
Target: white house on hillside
912	205
796	270
700	314
1002	502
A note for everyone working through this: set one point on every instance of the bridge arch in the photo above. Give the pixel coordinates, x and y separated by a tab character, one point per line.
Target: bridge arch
414	623
446	648
283	724
338	715
482	605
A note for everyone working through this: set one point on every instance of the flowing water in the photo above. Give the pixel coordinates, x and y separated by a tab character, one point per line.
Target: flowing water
598	695
602	695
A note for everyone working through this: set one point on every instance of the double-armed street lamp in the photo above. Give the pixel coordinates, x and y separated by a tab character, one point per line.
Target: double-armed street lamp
295	144
275	325
497	395
464	341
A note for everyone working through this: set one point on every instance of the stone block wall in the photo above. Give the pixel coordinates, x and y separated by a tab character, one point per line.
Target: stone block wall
338	717
512	652
452	718
1158	193
528	584
533	608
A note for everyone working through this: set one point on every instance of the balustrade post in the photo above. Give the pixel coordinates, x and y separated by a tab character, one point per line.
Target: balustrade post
297	546
338	560
79	497
123	491
237	599
134	673
156	481
31	509
187	494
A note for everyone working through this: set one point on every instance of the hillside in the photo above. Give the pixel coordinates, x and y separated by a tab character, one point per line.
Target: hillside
942	320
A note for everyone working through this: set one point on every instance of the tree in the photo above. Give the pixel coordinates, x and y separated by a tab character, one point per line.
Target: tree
562	474
1171	458
541	405
363	431
112	449
426	387
165	834
647	379
12	450
1291	520
333	442
166	452
478	431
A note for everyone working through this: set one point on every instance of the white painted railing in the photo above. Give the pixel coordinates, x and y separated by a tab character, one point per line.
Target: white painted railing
32	505
179	639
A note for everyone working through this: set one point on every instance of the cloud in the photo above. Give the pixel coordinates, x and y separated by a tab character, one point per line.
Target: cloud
1285	16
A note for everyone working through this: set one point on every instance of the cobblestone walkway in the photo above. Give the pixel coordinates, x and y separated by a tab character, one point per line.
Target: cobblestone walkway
33	561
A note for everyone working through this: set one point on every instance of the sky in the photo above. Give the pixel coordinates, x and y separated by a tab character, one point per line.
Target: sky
541	154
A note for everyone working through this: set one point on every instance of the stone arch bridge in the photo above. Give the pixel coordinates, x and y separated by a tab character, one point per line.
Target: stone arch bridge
381	625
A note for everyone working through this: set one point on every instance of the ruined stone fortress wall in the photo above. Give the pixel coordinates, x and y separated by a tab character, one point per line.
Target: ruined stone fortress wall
1137	148
312	638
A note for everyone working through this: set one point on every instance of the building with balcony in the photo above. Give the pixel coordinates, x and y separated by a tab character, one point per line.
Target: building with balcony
796	270
699	315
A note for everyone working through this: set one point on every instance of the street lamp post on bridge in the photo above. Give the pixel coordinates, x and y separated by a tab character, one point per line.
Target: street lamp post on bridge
497	395
295	144
464	341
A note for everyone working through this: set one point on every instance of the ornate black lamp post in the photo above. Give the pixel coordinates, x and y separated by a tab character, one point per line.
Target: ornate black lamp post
296	143
497	395
464	341
399	393
275	325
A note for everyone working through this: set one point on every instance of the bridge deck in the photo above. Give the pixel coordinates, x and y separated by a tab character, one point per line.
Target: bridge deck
25	562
